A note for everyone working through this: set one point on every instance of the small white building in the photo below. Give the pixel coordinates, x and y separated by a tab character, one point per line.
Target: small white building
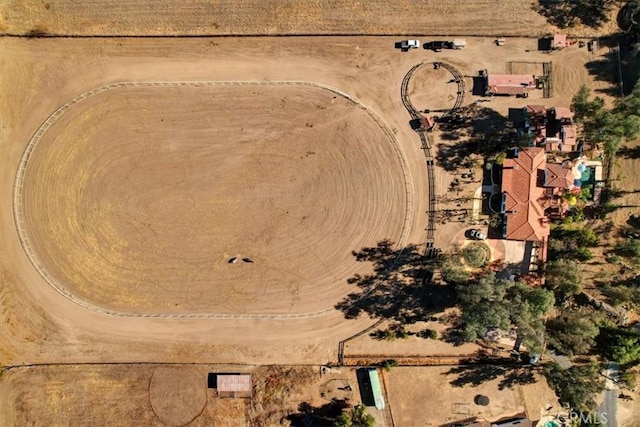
232	384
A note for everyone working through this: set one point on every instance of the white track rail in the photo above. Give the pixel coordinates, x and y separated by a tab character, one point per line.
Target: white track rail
33	142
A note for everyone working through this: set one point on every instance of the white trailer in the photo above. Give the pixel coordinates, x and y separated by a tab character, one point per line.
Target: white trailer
458	44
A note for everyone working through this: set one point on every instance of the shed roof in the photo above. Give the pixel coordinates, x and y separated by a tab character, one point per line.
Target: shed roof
568	134
507	90
510	79
378	398
536	110
564	113
234	383
510	84
560	40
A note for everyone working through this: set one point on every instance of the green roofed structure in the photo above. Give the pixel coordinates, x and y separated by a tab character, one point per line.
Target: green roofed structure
374	380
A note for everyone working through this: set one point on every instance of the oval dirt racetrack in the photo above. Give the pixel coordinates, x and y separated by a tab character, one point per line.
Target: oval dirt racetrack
136	199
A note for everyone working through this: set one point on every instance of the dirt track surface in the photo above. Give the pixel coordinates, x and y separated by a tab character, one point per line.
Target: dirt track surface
40	75
289	17
211	199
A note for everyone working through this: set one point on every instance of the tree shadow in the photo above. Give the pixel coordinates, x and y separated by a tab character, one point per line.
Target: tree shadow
453	335
628	19
399	288
630	63
566	14
488	134
477	374
620	62
629	152
317	416
606	70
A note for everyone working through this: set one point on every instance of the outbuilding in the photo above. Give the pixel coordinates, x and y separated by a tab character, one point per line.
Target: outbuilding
230	384
509	84
374	380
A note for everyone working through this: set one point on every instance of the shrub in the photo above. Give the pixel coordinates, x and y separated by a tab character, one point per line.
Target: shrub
388	364
428	334
452	273
629	247
475	255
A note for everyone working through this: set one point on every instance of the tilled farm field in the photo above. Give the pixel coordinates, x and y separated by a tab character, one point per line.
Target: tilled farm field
288	17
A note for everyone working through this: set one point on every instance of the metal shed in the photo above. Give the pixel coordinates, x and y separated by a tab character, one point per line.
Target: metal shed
374	380
234	383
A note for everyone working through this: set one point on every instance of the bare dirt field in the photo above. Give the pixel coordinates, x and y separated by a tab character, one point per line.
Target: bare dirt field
40	75
444	401
251	17
223	199
168	395
116	395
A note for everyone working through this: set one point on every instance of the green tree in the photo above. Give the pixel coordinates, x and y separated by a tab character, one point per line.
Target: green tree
490	302
564	278
572	333
582	107
628	248
621	294
620	345
357	417
629	108
528	306
575	386
454	273
608	127
572	243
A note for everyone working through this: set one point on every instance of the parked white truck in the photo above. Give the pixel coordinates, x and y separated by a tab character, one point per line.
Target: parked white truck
410	44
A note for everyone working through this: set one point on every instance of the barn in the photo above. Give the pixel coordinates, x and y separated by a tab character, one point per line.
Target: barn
230	384
509	84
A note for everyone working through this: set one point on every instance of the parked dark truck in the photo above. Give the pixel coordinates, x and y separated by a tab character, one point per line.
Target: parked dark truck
437	46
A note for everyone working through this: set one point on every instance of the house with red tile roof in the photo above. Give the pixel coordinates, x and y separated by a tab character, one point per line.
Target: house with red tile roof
558	176
523	196
532	191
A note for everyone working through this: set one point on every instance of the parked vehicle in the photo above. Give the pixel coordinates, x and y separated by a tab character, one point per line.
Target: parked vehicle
410	44
477	234
458	44
438	45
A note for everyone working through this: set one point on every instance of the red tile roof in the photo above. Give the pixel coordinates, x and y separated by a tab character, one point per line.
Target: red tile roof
564	113
561	40
558	176
536	110
525	215
510	84
568	138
